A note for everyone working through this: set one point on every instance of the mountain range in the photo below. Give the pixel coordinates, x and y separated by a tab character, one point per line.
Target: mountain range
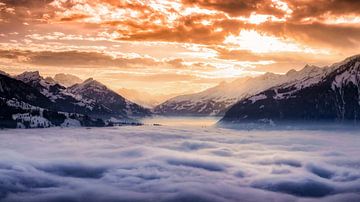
217	100
324	94
29	100
330	93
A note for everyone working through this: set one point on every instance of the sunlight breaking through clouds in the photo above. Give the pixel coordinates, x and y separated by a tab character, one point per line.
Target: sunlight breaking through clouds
254	36
260	43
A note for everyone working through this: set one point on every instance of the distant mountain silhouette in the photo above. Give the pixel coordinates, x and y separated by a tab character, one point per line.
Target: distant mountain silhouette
67	80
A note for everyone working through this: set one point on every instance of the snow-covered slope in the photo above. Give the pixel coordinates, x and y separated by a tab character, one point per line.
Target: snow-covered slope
23	106
331	93
90	97
216	100
30	101
55	92
96	95
13	89
67	80
47	87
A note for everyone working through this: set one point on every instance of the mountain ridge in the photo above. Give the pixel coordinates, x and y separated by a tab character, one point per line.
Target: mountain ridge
29	100
332	95
23	106
217	100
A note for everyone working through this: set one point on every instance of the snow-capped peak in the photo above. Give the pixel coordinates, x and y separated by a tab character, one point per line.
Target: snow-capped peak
88	83
35	79
95	94
311	94
87	89
217	99
47	86
347	60
347	72
269	76
309	68
354	57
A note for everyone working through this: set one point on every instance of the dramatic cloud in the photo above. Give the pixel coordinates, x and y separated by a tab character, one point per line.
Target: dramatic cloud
323	9
240	7
233	37
178	164
116	70
76	58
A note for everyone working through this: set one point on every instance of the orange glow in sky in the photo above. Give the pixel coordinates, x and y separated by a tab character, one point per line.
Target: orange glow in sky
175	46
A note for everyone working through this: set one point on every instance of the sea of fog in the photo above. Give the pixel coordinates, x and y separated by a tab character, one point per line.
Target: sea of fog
179	161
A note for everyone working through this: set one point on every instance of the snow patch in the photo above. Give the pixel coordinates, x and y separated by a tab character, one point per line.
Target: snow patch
71	123
257	98
33	121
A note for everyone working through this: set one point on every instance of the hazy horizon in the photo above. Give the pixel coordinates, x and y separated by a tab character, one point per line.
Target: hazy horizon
156	97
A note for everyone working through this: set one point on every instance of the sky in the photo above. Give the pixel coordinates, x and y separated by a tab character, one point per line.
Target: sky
176	46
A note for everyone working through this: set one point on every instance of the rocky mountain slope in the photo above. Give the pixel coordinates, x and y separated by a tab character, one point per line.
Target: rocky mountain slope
105	102
23	106
29	100
217	100
331	94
